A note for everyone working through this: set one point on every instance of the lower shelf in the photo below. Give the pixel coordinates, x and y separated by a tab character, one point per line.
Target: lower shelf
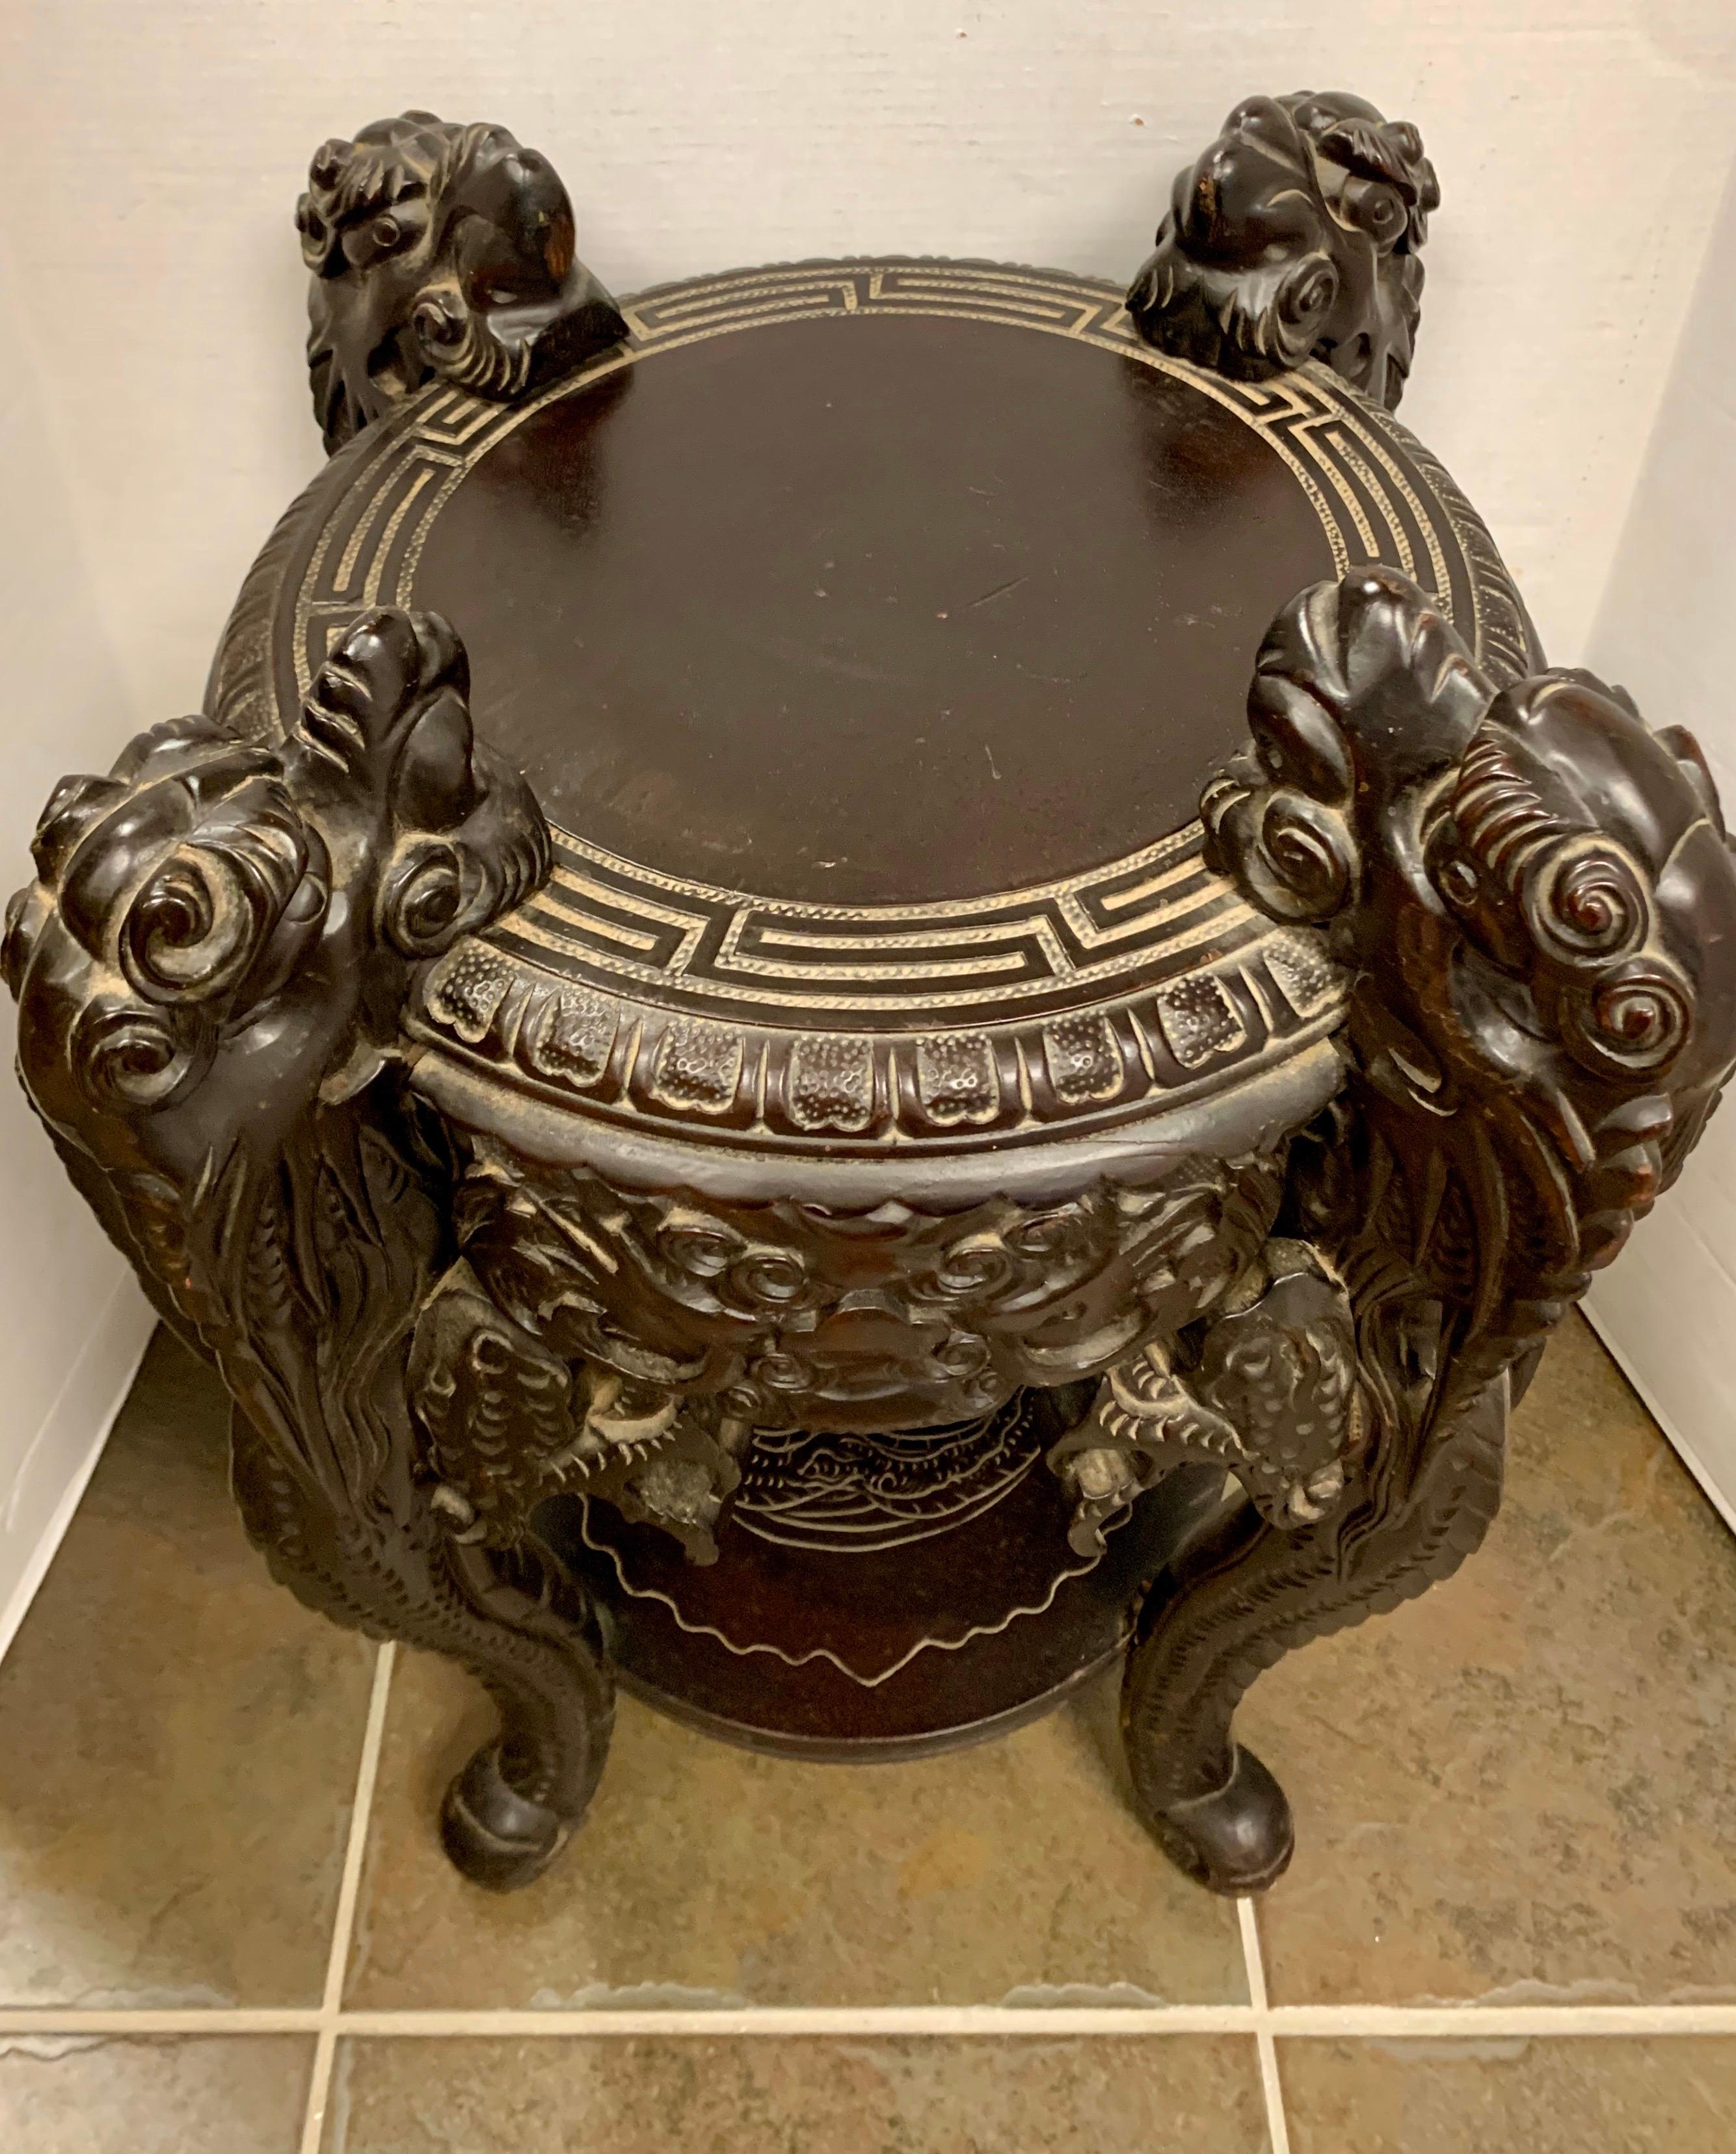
860	1653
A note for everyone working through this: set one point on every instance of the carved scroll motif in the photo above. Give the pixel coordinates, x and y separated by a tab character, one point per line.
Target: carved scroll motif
439	250
1536	902
1298	235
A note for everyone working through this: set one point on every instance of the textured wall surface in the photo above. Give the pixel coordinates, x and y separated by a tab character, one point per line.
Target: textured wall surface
1666	629
153	409
74	1322
151	156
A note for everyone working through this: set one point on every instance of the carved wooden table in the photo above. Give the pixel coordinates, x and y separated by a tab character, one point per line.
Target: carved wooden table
865	1155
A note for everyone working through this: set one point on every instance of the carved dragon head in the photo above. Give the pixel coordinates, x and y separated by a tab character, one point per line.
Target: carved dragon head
1587	856
440	250
1533	891
218	932
1296	235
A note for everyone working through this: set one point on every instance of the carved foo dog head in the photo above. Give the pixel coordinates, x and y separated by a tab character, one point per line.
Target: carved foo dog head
218	930
440	250
1295	235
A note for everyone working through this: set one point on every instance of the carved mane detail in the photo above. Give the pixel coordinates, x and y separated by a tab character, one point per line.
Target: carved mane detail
440	250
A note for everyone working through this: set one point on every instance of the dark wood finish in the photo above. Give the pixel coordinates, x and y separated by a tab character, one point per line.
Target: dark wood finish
816	1222
210	968
691	971
771	1315
872	1629
1537	900
707	645
1298	234
443	252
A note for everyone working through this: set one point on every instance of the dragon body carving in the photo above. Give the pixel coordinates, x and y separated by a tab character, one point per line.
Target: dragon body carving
635	1342
1298	235
1530	894
209	969
1535	900
1265	1386
440	251
511	1421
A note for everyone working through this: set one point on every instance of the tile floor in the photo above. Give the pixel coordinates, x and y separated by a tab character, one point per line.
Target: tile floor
225	1924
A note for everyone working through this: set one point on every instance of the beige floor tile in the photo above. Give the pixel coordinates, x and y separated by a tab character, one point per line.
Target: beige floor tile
1520	1787
235	2095
706	1874
1179	2095
180	1739
1674	2094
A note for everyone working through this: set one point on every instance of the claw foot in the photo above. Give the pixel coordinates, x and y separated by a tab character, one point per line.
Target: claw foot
1237	1839
493	1835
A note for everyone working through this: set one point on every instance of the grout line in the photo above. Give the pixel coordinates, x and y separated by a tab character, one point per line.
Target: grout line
361	1816
1426	2022
1277	2127
943	2019
1284	2022
845	2019
331	2006
192	2019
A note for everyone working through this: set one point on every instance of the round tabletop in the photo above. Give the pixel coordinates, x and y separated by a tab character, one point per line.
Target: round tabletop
867	631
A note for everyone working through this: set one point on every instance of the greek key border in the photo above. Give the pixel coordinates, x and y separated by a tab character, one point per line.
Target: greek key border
651	998
604	920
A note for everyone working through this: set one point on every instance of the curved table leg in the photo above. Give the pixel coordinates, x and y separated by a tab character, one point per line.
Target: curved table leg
209	967
1251	1593
518	1622
1536	902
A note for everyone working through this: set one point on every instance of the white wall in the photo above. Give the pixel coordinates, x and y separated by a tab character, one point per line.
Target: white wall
1666	629
151	152
74	1324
